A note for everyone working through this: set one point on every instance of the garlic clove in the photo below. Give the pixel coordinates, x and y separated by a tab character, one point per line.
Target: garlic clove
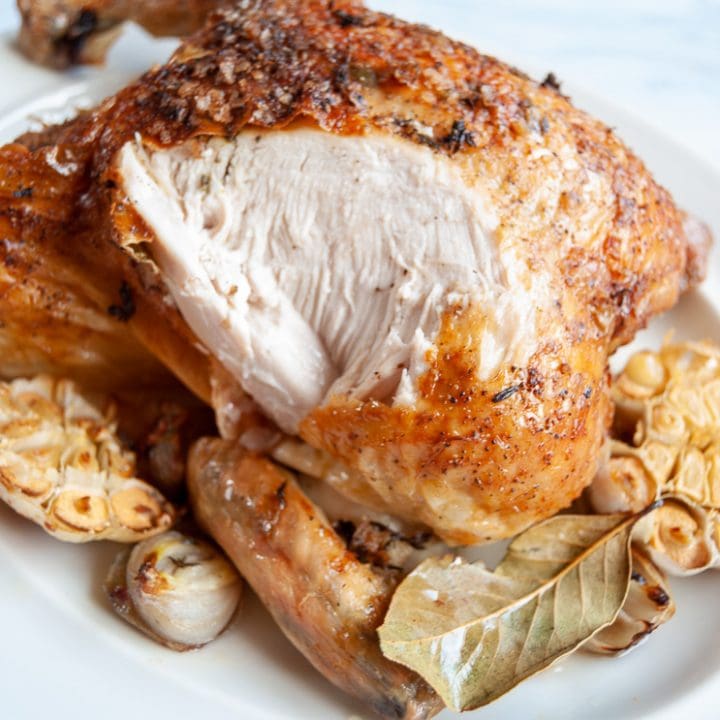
622	485
643	377
179	590
648	605
81	511
680	538
140	508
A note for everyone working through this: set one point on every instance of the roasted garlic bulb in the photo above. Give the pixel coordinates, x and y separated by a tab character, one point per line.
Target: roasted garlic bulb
63	466
667	445
179	590
681	537
648	605
667	428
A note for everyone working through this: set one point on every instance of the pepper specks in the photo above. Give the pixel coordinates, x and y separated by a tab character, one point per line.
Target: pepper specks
505	393
126	308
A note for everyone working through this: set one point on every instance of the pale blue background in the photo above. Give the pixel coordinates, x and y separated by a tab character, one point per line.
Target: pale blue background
659	59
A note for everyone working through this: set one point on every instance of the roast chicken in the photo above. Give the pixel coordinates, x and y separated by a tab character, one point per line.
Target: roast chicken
408	254
391	262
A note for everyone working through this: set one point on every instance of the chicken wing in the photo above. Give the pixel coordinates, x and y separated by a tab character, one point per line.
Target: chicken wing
409	254
60	33
325	600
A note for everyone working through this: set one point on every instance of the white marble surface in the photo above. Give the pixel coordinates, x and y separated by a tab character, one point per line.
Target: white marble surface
659	59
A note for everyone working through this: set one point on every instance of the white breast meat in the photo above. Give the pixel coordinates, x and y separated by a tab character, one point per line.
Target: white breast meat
317	265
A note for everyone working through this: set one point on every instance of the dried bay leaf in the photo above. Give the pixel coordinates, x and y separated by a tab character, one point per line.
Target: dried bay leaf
474	634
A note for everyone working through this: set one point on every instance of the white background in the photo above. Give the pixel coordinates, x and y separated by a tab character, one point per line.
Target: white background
659	59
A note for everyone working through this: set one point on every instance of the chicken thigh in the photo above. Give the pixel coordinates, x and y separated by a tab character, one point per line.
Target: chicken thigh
407	253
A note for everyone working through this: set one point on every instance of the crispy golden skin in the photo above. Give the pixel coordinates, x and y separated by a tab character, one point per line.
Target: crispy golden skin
53	321
475	460
61	313
324	599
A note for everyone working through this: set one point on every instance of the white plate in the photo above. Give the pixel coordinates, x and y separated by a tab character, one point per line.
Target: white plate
64	654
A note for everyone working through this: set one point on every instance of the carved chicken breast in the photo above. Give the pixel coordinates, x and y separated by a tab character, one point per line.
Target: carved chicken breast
410	255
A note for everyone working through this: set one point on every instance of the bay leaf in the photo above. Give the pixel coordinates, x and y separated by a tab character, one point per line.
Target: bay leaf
474	634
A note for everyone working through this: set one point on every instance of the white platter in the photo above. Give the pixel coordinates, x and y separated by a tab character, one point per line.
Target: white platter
64	654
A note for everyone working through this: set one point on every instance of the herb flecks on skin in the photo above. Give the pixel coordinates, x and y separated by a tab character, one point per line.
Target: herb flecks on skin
550	81
505	393
126	308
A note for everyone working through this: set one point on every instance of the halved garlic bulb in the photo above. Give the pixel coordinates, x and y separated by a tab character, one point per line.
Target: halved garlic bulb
623	483
674	393
667	437
647	605
63	466
681	537
179	590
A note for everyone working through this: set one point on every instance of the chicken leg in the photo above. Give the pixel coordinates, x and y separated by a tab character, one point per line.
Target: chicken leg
60	33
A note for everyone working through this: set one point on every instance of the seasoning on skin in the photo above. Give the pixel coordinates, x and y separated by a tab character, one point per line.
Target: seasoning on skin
346	19
126	309
551	82
280	495
505	394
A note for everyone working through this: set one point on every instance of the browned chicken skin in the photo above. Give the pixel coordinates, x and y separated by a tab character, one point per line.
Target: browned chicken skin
52	321
326	601
474	457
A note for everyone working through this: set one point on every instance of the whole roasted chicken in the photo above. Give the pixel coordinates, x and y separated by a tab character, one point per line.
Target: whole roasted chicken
408	254
385	259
